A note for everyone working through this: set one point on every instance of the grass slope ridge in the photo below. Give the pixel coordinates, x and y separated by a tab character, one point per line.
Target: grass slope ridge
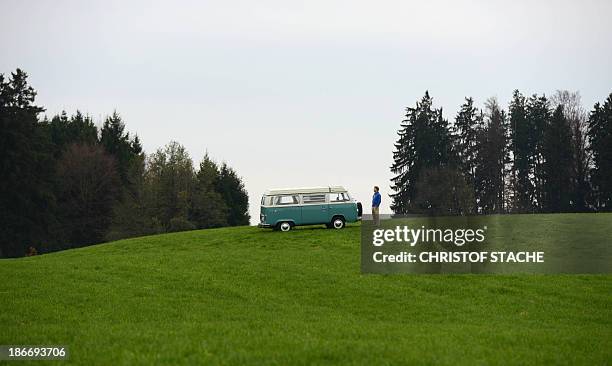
245	295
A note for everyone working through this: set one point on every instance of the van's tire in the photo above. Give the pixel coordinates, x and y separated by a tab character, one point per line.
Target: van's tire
284	226
359	209
338	223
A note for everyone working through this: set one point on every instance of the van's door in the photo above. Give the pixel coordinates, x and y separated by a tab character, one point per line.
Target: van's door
315	209
286	208
340	204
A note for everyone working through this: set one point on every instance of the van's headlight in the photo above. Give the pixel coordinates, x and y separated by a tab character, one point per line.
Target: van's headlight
262	218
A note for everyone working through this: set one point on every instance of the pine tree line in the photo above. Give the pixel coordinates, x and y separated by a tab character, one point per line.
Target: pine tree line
543	155
67	183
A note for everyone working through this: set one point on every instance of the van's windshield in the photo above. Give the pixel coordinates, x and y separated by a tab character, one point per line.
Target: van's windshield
266	200
339	197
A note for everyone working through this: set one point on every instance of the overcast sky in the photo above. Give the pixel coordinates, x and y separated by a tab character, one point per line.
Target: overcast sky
298	93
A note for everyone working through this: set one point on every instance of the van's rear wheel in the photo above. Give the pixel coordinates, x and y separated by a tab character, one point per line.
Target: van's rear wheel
284	226
338	223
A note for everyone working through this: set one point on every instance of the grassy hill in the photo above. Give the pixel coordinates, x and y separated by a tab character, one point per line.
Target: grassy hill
245	295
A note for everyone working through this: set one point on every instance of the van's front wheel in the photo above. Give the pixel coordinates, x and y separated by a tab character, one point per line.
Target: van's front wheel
284	226
338	223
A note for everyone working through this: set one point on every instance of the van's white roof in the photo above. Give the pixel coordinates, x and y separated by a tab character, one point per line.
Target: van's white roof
325	189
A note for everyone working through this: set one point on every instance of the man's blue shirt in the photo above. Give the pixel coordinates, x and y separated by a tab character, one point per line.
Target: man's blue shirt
376	199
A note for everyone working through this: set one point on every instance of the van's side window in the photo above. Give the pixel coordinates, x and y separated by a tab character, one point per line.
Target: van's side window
338	197
314	198
286	200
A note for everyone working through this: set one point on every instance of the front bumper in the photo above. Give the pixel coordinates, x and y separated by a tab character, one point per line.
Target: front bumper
264	225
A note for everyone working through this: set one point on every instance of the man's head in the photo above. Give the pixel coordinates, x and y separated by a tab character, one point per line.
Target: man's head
375	188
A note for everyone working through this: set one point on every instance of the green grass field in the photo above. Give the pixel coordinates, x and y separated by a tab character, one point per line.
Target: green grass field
251	296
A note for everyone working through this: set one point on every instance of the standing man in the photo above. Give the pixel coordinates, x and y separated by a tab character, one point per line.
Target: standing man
375	206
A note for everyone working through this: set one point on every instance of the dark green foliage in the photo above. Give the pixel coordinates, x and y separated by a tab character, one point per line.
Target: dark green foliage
600	135
64	131
443	191
130	214
424	142
26	184
231	189
467	123
538	118
209	208
116	141
530	161
86	195
523	150
577	119
491	161
178	198
558	164
169	183
64	185
180	223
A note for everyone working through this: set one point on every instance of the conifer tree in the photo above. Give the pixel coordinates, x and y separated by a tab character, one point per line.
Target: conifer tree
466	127
538	117
65	131
116	141
26	169
492	160
231	188
600	136
424	142
522	153
208	208
557	165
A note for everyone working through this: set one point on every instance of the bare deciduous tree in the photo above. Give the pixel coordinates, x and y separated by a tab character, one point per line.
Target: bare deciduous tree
577	117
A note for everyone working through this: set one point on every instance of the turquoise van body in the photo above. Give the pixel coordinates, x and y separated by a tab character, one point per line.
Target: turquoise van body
284	209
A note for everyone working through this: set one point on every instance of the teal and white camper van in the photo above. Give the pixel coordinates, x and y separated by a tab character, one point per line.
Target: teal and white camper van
282	209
